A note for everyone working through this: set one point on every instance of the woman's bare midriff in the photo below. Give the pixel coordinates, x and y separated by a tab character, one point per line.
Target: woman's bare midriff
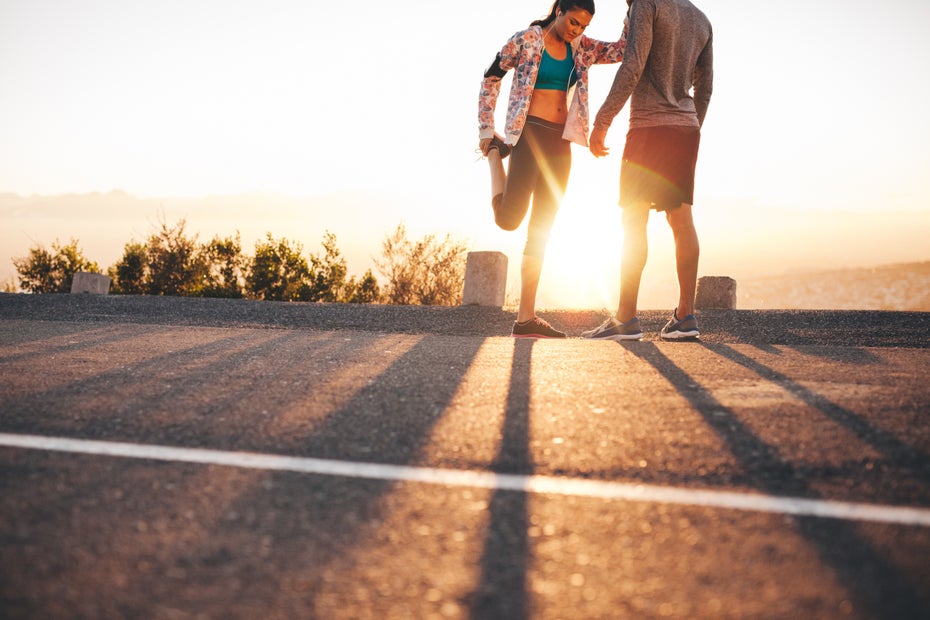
550	105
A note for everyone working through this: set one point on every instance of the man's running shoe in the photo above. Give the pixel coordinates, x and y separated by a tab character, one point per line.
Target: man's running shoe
535	328
612	329
684	329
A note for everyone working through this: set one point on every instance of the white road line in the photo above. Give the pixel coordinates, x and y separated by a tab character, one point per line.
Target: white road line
752	502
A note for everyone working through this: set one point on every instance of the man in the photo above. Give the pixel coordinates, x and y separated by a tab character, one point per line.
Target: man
667	72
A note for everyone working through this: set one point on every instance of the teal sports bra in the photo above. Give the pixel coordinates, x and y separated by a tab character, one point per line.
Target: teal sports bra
556	74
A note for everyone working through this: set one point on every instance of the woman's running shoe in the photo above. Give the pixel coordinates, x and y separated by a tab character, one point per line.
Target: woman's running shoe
503	148
535	328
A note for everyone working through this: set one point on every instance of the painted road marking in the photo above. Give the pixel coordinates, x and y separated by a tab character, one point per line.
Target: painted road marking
603	489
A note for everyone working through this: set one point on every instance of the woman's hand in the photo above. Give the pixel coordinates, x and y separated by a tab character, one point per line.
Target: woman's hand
483	146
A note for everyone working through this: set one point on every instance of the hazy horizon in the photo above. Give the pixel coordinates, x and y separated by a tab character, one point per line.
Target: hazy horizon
748	246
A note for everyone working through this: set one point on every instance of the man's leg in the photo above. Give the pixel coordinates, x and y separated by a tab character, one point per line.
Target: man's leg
635	252
687	253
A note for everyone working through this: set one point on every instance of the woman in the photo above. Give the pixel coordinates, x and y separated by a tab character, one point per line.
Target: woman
548	109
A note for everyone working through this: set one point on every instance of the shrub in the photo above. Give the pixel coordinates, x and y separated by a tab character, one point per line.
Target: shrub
52	272
278	271
428	272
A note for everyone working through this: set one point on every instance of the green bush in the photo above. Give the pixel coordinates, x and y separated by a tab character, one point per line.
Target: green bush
52	272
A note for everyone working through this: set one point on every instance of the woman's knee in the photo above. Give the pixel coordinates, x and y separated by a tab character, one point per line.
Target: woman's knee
507	221
507	218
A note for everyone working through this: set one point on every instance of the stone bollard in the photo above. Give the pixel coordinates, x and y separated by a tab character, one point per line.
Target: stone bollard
95	283
715	292
485	279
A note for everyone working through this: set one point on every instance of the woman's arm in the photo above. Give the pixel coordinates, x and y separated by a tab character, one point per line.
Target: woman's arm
607	52
487	98
504	61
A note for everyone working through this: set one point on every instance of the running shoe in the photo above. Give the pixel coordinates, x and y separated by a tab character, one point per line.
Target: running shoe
612	329
684	329
503	148
535	328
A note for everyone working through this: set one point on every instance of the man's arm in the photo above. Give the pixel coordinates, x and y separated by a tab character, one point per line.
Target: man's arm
639	42
704	79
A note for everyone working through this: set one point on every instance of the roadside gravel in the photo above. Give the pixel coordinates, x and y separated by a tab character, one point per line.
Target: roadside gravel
762	327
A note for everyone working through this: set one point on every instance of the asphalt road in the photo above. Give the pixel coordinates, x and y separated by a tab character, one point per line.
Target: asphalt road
436	468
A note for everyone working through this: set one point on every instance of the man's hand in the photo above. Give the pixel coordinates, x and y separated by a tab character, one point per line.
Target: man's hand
596	143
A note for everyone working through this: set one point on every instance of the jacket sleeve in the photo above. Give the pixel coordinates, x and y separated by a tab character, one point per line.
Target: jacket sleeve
704	80
504	61
608	52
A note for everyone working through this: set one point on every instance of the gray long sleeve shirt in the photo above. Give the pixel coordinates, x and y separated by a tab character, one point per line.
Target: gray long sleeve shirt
669	51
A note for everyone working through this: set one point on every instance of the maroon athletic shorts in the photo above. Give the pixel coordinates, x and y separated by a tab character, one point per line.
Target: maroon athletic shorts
658	167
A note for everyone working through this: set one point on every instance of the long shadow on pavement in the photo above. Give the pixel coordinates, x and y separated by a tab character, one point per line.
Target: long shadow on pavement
897	452
502	590
321	525
137	389
82	337
872	582
282	527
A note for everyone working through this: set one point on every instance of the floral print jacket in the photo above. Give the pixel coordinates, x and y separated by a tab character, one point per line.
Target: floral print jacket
523	52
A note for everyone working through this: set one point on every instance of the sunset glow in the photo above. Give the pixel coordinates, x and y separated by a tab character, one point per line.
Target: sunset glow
176	103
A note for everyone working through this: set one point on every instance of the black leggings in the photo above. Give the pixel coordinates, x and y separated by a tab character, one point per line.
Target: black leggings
539	168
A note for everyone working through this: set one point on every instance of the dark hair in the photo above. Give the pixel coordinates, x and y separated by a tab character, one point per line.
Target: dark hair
564	6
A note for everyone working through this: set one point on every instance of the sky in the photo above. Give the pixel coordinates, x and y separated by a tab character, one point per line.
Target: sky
371	108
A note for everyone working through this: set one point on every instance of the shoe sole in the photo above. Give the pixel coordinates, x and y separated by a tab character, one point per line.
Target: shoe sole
617	338
676	335
538	336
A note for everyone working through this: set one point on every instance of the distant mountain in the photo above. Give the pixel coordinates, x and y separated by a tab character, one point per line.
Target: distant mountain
904	286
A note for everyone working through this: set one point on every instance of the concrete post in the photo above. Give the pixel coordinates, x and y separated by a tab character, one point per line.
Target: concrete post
715	292
94	283
485	279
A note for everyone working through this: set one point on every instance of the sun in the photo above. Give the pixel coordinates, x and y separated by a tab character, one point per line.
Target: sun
582	268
